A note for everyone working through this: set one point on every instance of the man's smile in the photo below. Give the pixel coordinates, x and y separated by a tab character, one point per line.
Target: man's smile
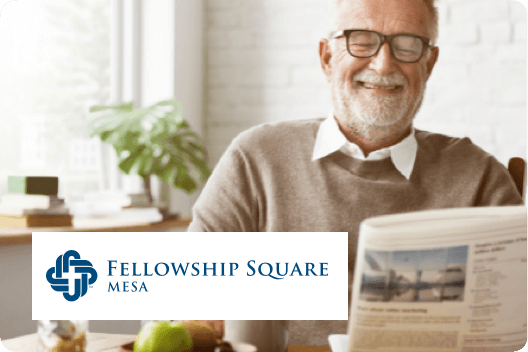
380	88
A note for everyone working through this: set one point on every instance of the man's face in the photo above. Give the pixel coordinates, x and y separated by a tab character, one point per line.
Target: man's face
380	90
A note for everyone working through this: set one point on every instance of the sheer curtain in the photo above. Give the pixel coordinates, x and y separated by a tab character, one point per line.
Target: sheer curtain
55	63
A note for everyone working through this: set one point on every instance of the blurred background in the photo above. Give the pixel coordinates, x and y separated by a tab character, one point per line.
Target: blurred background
232	64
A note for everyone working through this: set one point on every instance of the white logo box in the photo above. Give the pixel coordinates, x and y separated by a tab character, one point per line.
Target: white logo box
228	276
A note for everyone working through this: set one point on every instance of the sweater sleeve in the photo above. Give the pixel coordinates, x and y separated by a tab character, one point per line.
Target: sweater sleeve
228	201
497	187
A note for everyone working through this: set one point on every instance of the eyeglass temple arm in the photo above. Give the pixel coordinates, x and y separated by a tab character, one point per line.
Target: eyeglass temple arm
335	35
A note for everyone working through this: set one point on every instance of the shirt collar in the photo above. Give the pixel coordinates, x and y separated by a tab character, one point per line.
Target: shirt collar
330	139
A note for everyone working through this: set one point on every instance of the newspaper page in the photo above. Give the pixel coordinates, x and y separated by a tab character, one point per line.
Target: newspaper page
443	280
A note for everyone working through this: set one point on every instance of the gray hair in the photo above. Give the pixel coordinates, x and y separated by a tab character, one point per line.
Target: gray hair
433	12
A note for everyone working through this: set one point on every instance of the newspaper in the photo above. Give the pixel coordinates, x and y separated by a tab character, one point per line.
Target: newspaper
443	280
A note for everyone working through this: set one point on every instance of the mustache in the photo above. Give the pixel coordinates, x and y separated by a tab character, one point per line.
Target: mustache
396	78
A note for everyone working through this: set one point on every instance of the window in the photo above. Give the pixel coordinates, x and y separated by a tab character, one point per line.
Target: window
55	64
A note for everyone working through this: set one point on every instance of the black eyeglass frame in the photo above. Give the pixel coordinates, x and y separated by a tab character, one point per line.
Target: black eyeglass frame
384	39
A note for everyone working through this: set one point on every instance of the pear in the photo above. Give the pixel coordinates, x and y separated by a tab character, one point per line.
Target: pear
204	337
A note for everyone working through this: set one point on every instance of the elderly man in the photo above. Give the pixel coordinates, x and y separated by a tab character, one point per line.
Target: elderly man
365	158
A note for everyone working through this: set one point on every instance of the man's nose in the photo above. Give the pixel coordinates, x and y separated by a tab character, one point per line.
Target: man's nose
383	62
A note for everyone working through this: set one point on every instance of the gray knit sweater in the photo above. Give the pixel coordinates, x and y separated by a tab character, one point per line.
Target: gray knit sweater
266	181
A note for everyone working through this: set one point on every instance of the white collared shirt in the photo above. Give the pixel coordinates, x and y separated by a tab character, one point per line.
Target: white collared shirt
330	139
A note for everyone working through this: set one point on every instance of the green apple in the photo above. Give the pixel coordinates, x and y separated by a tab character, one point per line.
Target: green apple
163	337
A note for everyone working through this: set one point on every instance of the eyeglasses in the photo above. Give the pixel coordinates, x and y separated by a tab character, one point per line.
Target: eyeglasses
404	47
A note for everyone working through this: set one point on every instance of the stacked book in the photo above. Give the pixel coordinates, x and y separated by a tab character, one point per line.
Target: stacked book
32	201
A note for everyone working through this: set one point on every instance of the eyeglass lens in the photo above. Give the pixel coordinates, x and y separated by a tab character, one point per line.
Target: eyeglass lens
404	48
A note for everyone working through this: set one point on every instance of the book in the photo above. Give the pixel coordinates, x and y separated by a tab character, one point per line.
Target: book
58	210
442	280
33	185
30	201
35	220
139	200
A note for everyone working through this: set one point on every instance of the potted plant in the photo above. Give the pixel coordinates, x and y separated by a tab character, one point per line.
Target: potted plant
153	140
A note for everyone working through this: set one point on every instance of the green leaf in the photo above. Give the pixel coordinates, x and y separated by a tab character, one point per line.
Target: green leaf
198	147
128	163
167	174
146	163
184	181
123	106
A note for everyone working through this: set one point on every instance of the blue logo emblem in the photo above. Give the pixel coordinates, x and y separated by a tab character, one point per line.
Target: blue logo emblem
63	265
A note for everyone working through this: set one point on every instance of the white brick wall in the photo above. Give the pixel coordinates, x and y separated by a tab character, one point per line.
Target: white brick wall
262	65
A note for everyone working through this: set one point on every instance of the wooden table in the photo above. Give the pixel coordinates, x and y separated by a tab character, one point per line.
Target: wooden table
111	343
12	236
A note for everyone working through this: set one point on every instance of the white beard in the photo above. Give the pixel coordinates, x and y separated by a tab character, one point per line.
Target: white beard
363	112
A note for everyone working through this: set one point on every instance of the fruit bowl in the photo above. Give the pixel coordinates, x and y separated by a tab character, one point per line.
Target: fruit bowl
184	336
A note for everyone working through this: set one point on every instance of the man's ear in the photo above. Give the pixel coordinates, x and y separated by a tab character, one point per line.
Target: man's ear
325	57
431	61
